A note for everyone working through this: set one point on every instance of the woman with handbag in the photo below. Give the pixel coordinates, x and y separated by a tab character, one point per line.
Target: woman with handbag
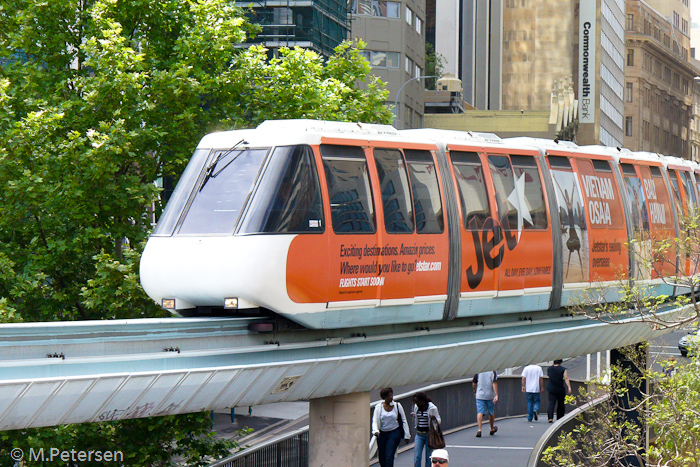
425	414
389	425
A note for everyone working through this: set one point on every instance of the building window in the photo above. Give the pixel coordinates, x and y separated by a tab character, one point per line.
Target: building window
409	16
628	92
685	26
628	126
419	26
646	131
630	57
409	65
630	22
376	8
382	59
676	19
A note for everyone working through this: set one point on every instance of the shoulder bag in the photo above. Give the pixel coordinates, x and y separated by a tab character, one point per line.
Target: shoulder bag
435	438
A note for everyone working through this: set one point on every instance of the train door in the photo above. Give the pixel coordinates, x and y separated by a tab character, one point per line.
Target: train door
353	244
479	282
524	277
396	226
639	219
609	260
432	260
686	207
574	229
661	222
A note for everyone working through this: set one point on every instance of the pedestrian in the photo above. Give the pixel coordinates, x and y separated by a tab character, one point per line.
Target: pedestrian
389	425
558	387
533	385
486	388
440	457
425	413
670	367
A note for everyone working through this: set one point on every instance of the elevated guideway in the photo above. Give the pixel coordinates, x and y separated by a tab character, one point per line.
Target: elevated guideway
72	372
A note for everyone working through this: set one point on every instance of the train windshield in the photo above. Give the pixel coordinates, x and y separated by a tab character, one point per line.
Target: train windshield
219	198
171	214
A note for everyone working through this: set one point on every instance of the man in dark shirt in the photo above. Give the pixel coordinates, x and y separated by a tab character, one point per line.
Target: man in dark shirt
558	387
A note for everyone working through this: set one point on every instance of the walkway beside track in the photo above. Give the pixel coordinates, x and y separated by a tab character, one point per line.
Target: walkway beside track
509	447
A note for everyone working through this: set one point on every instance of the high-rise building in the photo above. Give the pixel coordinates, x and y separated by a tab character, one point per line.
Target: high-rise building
319	25
509	54
395	35
659	77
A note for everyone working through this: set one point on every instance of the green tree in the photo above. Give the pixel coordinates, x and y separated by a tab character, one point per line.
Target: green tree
114	95
98	100
434	66
667	405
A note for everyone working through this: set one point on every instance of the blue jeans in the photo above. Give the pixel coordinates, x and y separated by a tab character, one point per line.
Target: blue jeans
533	404
387	444
421	442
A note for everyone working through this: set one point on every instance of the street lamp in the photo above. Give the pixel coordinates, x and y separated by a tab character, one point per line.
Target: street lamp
396	100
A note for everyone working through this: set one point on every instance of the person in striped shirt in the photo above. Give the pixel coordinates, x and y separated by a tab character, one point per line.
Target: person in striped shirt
424	411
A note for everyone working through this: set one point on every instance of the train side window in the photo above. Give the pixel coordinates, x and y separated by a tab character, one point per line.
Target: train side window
349	190
572	214
690	189
678	203
503	185
472	188
396	193
427	204
602	166
526	167
288	198
635	192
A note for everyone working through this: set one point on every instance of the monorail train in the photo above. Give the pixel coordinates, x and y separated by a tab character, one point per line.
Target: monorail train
336	225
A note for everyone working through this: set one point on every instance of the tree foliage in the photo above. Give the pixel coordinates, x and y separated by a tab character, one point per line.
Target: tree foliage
668	405
665	405
99	99
434	66
662	257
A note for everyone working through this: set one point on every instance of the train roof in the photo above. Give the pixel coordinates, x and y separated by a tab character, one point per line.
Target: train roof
470	138
304	131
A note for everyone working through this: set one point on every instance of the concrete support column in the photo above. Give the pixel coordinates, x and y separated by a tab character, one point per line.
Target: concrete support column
339	431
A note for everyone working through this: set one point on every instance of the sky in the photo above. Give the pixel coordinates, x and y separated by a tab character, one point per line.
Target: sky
695	11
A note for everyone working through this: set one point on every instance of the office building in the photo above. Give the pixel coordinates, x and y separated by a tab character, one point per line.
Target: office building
395	35
510	53
659	78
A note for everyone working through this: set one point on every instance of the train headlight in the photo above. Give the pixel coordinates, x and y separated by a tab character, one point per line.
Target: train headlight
230	303
168	303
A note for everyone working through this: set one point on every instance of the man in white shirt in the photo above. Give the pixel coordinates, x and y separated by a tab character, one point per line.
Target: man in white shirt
533	380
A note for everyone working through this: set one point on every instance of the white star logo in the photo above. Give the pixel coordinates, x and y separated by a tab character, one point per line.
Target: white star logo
517	199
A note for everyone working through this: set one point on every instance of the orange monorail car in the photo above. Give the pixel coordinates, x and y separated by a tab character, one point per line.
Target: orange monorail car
336	225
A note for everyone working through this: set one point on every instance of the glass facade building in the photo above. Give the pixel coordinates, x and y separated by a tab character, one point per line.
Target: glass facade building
319	25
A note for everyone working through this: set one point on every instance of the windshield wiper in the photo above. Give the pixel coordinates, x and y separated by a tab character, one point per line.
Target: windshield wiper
210	168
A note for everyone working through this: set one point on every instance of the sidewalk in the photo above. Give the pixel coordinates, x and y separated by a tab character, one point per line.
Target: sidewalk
509	447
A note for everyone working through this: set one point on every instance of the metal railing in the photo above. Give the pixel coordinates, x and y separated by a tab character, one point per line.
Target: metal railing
290	450
455	400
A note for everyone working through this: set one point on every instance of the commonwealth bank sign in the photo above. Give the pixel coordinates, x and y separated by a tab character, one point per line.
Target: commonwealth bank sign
587	61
